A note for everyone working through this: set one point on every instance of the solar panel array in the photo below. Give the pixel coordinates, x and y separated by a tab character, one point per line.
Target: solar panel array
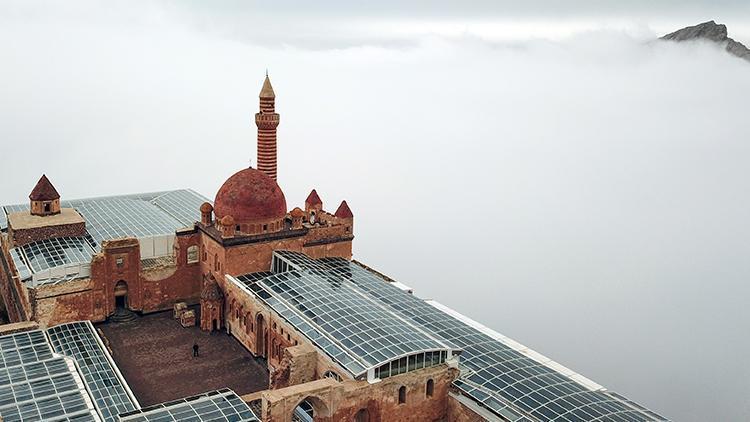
138	215
494	374
352	328
220	405
37	386
79	341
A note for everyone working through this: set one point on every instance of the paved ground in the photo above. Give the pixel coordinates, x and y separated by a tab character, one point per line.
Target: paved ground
154	354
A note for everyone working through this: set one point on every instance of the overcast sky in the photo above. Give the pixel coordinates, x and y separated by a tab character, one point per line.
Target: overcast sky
546	168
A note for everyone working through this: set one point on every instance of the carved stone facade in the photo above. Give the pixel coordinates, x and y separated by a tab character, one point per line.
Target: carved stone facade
212	305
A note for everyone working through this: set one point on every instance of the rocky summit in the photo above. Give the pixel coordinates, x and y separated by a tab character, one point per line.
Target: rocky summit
710	31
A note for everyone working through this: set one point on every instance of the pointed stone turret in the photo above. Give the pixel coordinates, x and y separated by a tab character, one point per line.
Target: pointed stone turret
344	211
313	199
313	206
267	90
267	121
44	198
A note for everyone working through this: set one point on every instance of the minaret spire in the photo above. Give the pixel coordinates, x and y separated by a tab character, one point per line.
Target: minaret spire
267	121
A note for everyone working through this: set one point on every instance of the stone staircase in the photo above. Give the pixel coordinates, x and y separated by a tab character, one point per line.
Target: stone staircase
123	315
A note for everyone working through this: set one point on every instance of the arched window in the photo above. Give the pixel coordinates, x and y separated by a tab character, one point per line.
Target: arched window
192	254
331	374
216	262
362	416
430	387
402	395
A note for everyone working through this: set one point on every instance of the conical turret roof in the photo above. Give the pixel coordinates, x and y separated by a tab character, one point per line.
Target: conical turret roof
267	90
313	198
344	211
44	191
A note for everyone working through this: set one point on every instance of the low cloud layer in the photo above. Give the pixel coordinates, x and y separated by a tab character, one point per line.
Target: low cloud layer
585	195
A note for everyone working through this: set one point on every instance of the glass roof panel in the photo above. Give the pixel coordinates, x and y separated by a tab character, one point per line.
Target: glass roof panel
492	373
223	405
355	330
138	215
59	251
79	341
182	205
36	385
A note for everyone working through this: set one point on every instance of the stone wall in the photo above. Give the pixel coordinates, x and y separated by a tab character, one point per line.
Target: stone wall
24	236
150	289
254	257
13	291
298	365
17	327
342	249
175	281
73	300
212	258
457	412
318	233
341	401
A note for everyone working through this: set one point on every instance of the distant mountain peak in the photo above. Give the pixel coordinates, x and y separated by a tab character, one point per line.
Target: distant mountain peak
710	31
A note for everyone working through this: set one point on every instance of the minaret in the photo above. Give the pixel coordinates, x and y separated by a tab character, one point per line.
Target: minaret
267	120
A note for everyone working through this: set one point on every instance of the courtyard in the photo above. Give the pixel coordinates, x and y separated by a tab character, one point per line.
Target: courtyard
155	355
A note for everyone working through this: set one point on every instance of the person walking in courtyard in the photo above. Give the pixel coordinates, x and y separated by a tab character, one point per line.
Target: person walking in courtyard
195	350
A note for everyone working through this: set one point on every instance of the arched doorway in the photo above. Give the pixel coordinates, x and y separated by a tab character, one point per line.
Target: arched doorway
305	411
260	336
311	408
362	416
121	294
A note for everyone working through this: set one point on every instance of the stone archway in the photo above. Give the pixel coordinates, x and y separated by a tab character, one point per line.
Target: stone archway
363	415
121	295
311	409
260	336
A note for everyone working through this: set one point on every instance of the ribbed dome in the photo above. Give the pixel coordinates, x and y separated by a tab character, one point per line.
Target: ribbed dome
250	195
